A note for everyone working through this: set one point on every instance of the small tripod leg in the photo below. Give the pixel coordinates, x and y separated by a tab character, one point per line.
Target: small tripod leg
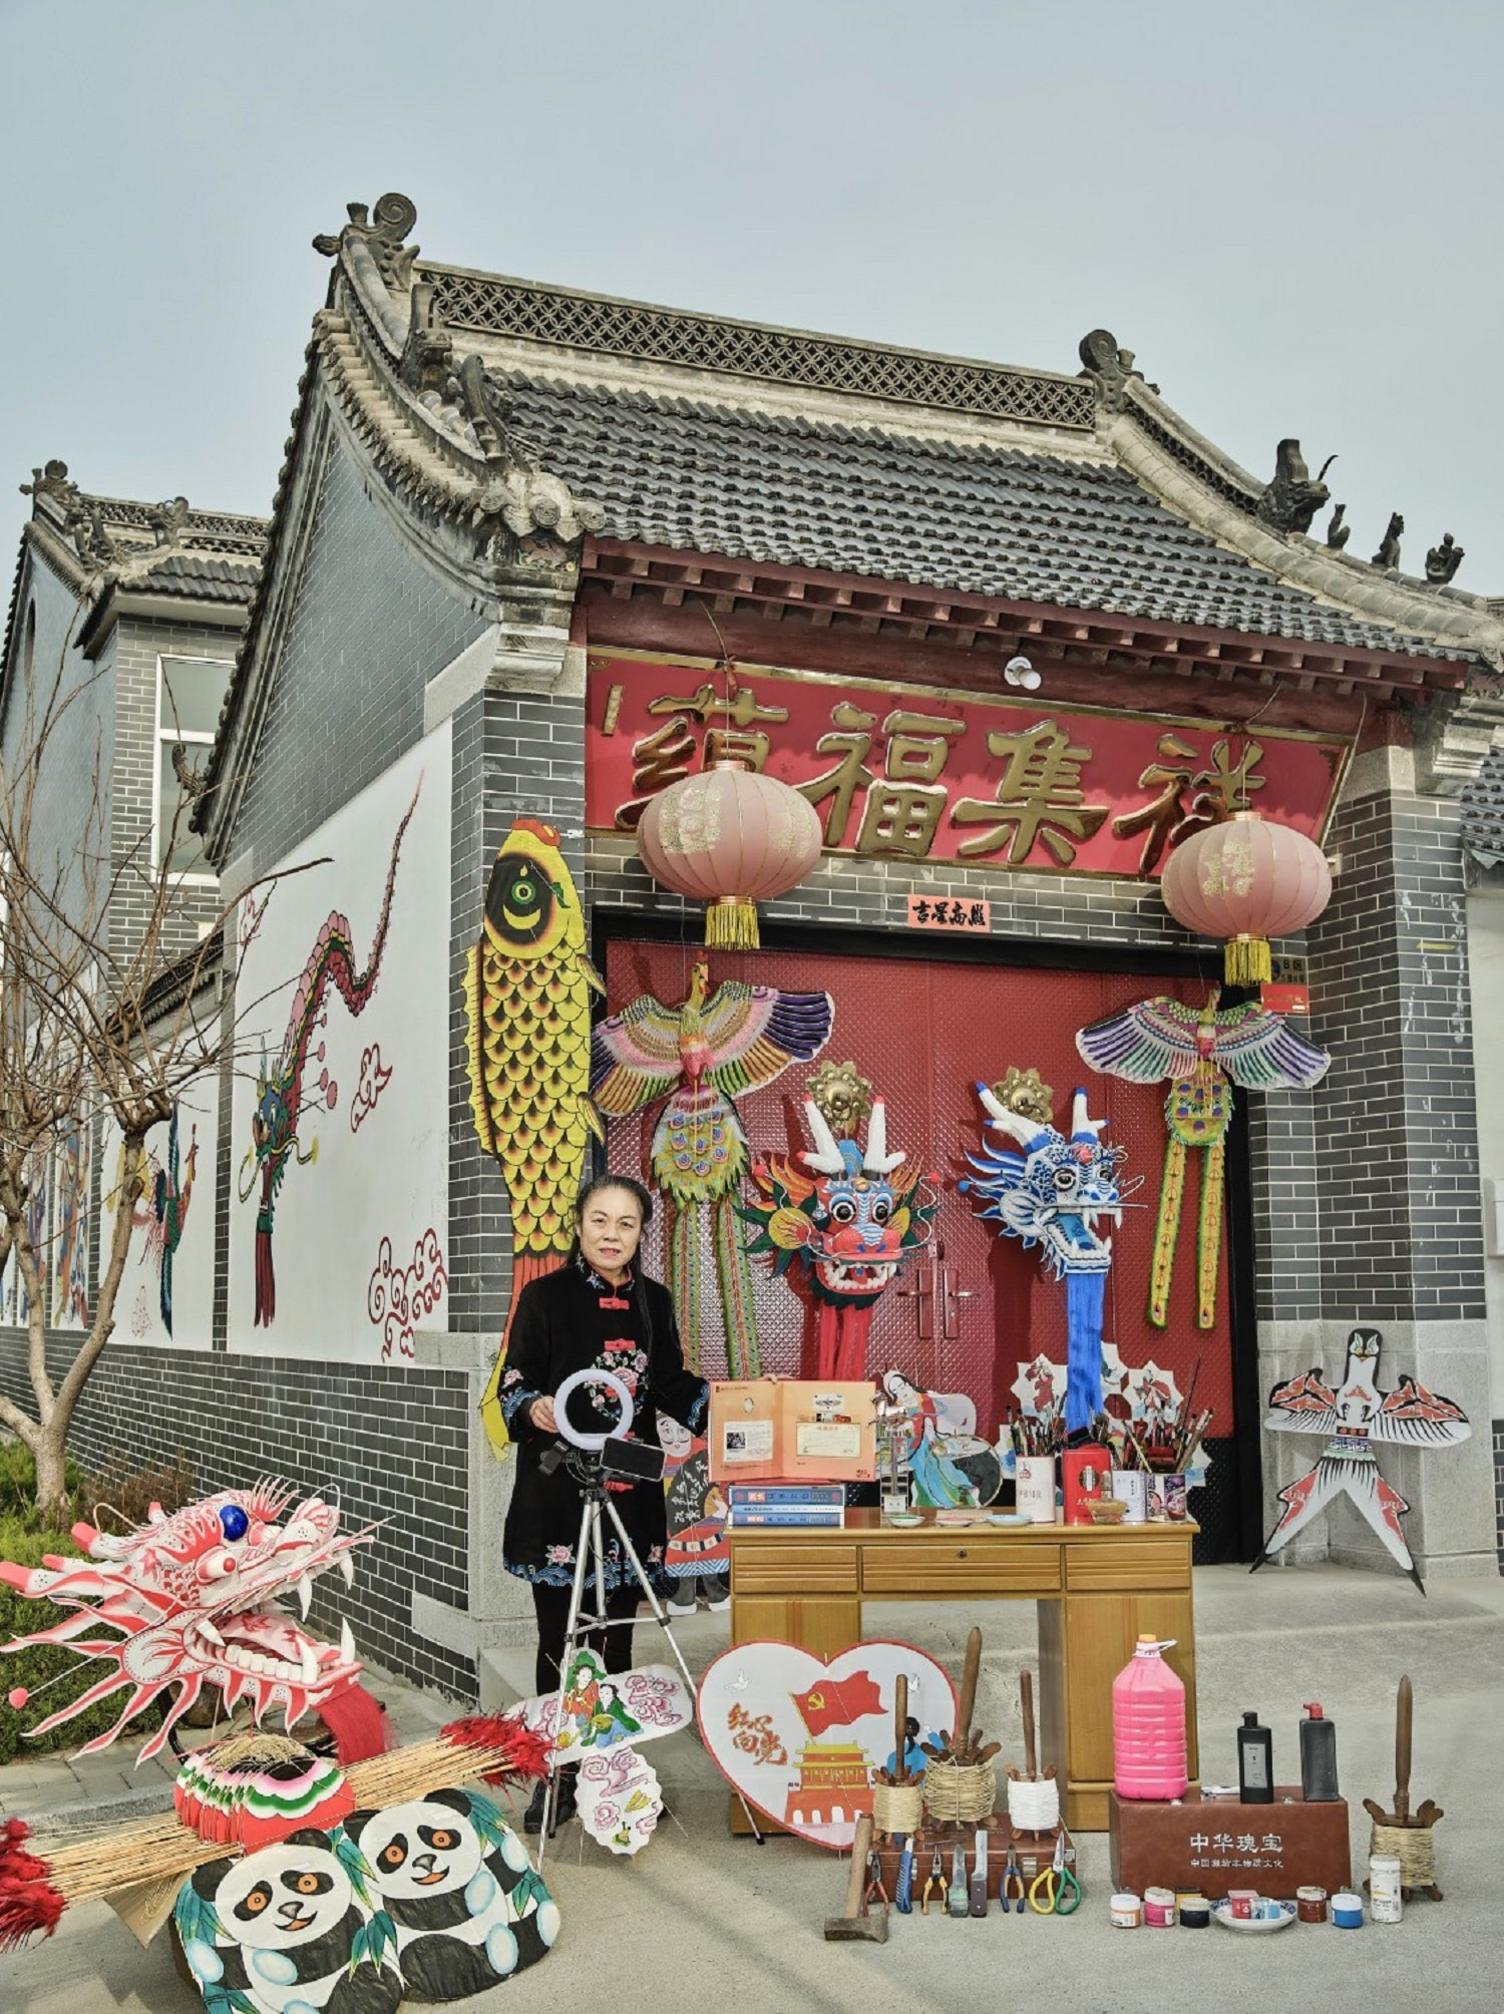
587	1558
661	1617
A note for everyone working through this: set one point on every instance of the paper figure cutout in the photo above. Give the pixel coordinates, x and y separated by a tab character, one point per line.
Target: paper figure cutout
945	1467
695	1506
1203	1051
800	1737
456	1883
1053	1194
619	1800
194	1597
854	1217
604	1710
281	1090
1129	1392
527	999
702	1056
294	1926
163	1212
70	1228
1355	1416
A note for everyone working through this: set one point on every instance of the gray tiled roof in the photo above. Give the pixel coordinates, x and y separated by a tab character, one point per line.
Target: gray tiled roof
1483	812
705	478
204	576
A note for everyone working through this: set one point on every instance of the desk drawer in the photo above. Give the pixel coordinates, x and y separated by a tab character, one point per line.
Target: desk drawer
1128	1563
815	1567
962	1565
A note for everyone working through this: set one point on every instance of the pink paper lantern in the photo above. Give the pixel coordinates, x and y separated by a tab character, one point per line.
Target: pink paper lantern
730	839
1247	880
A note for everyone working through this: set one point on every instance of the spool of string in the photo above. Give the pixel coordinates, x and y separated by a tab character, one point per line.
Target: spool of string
1034	1807
897	1807
1414	1847
960	1793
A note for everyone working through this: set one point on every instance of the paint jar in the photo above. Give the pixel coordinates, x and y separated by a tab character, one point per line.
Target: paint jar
1159	1908
1243	1903
1035	1487
1310	1905
1347	1911
1195	1912
1127	1912
1386	1901
1131	1487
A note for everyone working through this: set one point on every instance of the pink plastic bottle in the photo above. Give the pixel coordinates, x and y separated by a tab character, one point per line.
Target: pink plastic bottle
1148	1726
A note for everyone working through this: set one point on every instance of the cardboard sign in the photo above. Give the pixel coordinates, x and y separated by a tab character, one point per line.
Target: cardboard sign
824	1429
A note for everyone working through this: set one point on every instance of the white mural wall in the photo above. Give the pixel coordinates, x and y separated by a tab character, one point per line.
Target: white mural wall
167	1291
339	1156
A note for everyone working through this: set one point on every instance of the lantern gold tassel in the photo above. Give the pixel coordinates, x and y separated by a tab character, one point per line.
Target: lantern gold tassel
731	925
1245	961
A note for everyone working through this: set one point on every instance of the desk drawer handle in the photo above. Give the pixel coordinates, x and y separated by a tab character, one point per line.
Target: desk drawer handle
961	1552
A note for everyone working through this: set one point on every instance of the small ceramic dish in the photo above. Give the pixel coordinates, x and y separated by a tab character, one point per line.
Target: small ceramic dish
906	1520
956	1517
1224	1915
1009	1517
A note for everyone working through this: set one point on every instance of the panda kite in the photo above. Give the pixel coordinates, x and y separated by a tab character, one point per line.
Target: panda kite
460	1890
291	1929
431	1900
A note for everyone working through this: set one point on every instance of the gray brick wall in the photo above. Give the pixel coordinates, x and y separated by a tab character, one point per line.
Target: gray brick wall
77	691
392	1443
1401	1235
369	628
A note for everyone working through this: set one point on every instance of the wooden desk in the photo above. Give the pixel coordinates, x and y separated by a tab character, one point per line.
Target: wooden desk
1097	1587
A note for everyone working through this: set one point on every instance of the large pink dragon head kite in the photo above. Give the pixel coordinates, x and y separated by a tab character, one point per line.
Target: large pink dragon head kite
193	1601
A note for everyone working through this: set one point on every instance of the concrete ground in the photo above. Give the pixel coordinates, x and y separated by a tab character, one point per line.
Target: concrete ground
698	1913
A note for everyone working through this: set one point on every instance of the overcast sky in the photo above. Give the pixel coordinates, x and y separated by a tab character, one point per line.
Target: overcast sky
1290	212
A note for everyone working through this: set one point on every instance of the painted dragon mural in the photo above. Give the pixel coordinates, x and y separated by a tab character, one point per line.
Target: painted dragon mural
281	1090
1053	1191
192	1599
855	1216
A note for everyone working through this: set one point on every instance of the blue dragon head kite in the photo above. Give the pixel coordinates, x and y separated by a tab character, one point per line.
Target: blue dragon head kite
1053	1192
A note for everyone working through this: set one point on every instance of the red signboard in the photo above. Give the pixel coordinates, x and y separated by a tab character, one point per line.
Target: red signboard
913	773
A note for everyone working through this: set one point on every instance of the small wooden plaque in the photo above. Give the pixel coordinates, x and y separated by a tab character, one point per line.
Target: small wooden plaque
1212	1844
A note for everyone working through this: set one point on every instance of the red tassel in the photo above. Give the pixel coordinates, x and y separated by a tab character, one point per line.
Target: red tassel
358	1723
526	1753
28	1901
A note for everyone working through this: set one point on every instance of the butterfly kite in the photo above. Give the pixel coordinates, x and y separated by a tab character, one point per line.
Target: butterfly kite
1203	1051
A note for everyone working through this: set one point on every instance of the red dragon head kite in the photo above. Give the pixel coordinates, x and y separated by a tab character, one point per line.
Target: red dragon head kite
191	1600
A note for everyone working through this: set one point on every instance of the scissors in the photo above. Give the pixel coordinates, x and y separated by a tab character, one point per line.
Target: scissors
1062	1891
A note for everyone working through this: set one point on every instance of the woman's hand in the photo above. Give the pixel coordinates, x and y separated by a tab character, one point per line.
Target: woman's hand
541	1413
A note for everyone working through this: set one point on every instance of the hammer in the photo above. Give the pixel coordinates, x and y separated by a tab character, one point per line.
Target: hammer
854	1925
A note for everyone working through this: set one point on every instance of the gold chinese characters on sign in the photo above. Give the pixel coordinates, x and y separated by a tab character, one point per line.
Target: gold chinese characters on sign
937	777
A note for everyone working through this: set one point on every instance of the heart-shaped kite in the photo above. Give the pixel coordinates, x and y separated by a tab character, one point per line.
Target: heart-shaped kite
801	1738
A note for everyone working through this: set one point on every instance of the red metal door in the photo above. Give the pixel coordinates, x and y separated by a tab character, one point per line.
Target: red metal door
924	1032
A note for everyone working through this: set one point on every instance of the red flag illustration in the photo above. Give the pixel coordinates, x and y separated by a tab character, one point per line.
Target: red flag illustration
838	1704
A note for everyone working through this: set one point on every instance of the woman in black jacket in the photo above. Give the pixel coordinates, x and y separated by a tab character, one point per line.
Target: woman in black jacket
598	1312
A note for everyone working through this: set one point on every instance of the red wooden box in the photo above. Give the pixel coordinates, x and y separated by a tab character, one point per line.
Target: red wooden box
1212	1844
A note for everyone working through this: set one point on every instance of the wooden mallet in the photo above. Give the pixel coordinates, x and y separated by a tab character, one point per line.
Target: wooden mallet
854	1924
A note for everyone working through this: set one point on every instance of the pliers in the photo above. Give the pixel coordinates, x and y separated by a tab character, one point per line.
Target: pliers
1012	1882
936	1880
875	1883
1062	1891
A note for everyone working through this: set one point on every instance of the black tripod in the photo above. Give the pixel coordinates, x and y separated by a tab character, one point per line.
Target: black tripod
590	1558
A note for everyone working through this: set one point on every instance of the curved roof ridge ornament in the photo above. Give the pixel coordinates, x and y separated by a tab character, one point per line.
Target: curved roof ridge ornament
382	237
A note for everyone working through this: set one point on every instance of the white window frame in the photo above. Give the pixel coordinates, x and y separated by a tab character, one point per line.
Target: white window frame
164	737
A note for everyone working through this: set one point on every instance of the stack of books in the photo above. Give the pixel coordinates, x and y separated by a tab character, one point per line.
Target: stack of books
805	1506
